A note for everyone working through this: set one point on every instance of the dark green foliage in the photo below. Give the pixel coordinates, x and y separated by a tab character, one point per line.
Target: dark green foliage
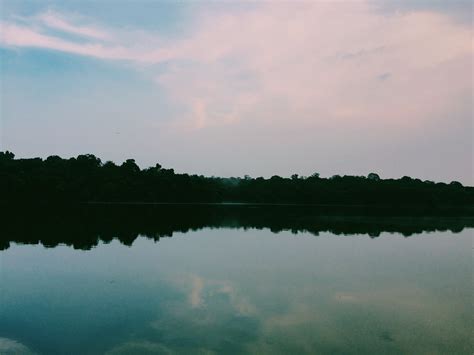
87	179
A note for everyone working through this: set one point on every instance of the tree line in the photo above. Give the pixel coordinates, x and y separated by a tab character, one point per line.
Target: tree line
86	178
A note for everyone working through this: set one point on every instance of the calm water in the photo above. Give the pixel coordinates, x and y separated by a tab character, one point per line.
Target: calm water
234	290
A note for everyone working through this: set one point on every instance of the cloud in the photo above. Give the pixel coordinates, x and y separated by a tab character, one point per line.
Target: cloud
20	36
57	21
291	58
41	31
302	74
457	10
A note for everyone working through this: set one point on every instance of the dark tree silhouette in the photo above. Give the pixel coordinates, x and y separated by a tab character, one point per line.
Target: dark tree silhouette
87	179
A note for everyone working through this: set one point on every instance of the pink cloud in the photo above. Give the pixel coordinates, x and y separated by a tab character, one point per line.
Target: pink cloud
334	86
295	55
317	63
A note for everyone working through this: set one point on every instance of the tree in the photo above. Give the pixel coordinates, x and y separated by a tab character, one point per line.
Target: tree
89	160
5	156
373	176
130	166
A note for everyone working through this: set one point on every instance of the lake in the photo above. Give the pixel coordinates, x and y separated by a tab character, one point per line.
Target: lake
235	281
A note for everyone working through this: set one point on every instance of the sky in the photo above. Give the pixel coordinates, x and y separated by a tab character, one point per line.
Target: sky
232	88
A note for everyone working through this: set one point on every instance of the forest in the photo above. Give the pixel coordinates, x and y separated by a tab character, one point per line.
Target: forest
86	179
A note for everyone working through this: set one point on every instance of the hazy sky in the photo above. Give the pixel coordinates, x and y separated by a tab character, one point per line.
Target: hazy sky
234	88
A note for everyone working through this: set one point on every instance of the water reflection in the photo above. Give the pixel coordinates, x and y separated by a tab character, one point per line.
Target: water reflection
225	283
11	347
83	228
